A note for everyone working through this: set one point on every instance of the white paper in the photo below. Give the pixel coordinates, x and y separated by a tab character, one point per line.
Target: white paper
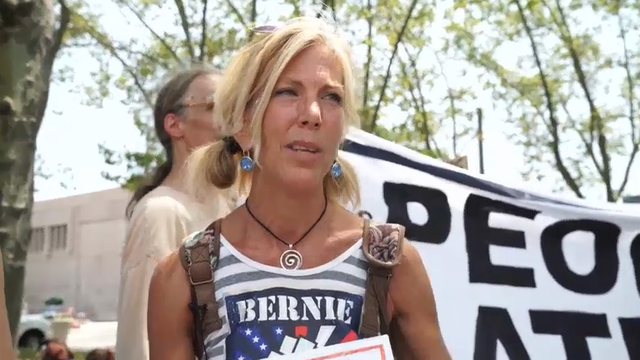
375	348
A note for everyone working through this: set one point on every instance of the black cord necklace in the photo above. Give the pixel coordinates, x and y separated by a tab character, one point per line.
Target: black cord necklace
291	259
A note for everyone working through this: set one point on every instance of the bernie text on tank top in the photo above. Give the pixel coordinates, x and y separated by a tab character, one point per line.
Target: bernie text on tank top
268	311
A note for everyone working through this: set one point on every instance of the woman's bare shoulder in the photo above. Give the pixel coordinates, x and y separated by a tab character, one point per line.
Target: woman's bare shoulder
170	280
169	319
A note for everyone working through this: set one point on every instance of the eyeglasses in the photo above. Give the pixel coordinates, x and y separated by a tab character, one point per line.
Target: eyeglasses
207	104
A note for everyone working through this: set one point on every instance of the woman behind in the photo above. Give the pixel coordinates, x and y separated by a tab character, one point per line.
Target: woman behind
284	105
160	213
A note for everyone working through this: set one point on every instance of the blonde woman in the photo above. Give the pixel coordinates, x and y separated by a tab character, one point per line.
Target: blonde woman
289	271
161	213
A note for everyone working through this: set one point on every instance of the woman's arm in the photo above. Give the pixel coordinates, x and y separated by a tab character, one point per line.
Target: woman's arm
415	332
169	320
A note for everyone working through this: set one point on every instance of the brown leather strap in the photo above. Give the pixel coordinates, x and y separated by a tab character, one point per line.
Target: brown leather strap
375	317
200	264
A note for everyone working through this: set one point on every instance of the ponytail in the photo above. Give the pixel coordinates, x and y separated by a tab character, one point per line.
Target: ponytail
158	177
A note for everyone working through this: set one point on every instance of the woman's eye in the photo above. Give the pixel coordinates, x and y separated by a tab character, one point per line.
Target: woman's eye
286	92
335	97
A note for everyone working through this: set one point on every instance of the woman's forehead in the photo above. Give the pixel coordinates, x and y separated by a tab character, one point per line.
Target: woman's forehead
201	88
313	64
203	83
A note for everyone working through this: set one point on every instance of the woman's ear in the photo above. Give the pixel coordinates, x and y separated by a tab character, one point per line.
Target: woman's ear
243	138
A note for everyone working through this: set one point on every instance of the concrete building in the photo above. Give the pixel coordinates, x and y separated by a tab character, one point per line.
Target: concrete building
75	252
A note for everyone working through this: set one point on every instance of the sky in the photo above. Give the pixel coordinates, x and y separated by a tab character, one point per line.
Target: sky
78	164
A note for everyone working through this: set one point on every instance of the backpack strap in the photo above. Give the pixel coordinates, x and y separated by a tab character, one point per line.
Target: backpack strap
199	256
382	247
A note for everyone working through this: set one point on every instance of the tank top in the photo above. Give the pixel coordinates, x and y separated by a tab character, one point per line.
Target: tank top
268	311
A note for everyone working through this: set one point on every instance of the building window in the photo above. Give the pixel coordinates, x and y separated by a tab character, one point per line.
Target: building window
37	240
58	237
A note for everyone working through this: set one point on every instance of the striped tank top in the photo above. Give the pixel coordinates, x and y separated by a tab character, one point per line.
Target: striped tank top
268	311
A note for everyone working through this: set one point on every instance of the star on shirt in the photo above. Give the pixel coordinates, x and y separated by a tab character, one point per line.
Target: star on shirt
248	332
263	347
256	339
279	331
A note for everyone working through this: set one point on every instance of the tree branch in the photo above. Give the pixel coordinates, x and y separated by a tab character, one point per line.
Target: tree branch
627	170
588	145
238	14
367	65
418	101
421	103
184	22
630	80
452	103
635	143
597	123
416	104
203	36
387	76
331	4
119	47
111	49
254	16
555	143
148	27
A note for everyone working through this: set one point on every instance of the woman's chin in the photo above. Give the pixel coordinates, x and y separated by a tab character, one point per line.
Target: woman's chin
302	180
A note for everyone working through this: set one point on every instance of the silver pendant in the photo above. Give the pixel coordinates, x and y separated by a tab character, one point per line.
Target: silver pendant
291	260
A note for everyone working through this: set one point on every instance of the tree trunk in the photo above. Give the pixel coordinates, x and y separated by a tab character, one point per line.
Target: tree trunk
29	42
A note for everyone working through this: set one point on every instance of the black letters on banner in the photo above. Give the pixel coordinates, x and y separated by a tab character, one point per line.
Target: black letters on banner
631	333
479	237
574	327
604	275
635	260
437	228
493	325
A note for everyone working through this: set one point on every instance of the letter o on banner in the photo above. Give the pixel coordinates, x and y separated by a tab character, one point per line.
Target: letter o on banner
604	275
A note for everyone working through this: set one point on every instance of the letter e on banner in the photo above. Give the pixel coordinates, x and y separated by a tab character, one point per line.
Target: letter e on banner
604	275
480	236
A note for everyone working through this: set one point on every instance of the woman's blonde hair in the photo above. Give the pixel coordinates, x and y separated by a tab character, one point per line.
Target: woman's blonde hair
247	85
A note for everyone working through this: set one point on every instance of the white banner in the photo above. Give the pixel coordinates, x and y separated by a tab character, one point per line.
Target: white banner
516	275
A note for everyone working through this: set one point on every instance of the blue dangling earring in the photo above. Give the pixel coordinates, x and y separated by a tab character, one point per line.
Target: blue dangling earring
246	163
336	169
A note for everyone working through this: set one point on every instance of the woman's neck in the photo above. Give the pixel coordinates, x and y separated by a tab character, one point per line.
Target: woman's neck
286	214
177	177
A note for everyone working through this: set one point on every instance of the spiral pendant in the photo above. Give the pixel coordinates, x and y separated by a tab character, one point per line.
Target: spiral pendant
291	260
